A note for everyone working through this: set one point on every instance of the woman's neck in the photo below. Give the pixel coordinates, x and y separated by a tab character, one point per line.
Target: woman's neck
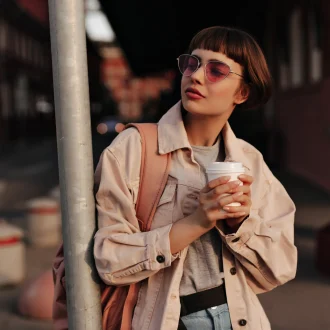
203	130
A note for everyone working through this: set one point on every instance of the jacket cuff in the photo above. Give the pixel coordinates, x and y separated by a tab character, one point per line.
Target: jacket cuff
236	240
159	249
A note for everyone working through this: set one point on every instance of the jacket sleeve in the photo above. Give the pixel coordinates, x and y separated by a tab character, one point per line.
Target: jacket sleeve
124	255
264	243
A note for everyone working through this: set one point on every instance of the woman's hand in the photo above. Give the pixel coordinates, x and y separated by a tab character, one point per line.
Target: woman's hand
213	198
212	202
233	223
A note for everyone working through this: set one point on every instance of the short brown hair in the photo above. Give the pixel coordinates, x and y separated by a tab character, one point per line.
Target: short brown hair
243	49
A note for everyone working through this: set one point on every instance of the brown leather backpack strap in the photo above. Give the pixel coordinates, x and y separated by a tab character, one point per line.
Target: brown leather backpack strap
153	174
153	177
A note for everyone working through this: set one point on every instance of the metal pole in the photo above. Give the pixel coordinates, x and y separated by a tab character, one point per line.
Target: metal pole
73	126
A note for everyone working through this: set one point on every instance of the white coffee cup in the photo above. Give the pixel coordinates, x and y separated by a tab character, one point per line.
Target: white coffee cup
232	169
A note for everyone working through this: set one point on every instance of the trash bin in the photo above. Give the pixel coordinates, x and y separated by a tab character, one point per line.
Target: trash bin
12	254
43	222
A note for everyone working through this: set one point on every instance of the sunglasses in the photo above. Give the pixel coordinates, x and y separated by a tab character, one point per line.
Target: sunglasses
214	70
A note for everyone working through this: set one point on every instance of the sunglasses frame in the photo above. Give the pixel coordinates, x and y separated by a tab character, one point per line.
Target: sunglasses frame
204	65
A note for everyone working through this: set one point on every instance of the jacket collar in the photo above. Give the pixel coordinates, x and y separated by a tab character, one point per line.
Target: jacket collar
172	136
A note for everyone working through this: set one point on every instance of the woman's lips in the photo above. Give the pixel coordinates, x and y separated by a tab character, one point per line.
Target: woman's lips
194	94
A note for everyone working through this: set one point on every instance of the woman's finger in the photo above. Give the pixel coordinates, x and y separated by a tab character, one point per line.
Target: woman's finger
228	199
222	189
244	188
214	183
246	179
235	209
218	191
242	199
216	212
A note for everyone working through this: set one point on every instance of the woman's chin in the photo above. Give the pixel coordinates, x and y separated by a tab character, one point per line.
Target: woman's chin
192	106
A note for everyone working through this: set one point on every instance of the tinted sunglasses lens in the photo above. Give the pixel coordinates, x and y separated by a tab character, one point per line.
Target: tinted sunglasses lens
187	64
216	71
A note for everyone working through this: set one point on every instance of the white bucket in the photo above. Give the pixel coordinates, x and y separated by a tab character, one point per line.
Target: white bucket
43	222
12	254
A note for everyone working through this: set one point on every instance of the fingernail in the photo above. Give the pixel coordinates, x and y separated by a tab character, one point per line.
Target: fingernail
242	176
237	182
226	177
240	193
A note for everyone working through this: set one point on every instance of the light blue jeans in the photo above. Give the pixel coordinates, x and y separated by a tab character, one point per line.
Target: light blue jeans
214	318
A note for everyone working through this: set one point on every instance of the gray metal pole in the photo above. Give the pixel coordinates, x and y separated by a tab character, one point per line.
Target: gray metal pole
68	37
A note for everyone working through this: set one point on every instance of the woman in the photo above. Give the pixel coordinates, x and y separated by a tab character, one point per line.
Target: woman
203	262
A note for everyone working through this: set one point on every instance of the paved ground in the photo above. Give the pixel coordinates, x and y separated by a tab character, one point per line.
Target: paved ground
26	171
302	304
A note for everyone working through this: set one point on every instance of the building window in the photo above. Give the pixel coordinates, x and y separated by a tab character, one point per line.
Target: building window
3	35
17	44
297	51
12	36
283	55
31	50
284	70
24	48
5	100
315	48
21	94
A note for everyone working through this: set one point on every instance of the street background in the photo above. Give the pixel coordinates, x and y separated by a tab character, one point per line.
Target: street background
133	78
301	304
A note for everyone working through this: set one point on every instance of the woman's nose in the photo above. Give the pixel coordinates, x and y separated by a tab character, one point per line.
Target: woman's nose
198	75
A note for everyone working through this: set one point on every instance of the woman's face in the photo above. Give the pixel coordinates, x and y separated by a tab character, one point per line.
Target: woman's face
216	98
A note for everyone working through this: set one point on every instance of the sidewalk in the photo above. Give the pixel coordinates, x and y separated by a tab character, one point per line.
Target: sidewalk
302	304
26	171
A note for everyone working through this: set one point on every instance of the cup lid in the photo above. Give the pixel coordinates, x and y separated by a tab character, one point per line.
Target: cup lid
225	166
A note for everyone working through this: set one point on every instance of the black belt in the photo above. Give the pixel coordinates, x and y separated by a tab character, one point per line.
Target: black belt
201	300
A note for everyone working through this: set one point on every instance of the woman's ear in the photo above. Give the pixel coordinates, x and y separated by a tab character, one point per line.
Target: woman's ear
242	94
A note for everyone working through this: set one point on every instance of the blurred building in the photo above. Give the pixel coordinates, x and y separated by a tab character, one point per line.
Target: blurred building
133	95
26	85
26	102
298	48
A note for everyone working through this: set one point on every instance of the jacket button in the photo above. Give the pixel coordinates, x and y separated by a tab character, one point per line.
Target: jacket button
242	322
160	259
235	240
233	271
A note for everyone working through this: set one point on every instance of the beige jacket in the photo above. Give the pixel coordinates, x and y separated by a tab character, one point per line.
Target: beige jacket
260	256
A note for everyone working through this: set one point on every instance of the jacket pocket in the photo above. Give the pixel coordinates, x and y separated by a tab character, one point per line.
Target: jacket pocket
164	211
167	197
